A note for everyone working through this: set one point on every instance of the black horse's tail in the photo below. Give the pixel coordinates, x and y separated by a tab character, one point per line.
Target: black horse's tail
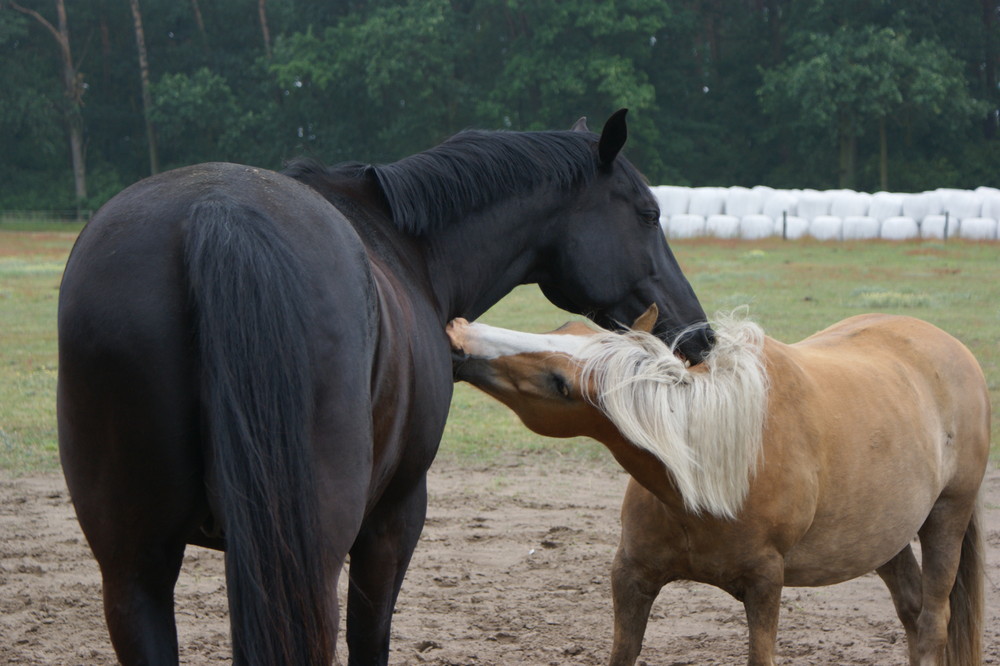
250	303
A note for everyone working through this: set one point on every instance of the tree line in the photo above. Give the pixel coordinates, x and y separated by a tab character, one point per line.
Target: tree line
865	94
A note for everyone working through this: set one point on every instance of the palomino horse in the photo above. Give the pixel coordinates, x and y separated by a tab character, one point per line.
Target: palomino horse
773	464
257	362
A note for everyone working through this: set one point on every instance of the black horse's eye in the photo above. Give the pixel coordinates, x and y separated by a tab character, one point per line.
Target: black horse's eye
560	385
650	216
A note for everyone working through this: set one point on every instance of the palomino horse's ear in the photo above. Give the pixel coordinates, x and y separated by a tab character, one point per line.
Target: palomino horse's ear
580	125
613	137
647	320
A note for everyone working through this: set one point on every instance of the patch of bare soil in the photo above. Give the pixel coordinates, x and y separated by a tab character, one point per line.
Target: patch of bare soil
513	568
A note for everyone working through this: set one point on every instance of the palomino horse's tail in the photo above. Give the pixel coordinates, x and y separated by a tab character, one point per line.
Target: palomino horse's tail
250	303
965	630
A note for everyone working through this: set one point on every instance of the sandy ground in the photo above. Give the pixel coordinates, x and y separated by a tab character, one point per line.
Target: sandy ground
512	569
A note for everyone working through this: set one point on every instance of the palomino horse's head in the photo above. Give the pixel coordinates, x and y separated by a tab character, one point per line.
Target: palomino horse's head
537	375
610	259
704	422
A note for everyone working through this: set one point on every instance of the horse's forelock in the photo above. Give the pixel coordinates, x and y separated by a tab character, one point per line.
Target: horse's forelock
706	426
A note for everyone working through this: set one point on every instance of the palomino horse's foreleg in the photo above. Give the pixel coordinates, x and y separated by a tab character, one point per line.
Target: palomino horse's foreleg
901	575
379	558
761	594
633	589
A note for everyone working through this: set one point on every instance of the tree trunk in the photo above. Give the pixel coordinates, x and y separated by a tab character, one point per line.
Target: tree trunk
262	12
147	98
73	90
200	22
848	146
883	156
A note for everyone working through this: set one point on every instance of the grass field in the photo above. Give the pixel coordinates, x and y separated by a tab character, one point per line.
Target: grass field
792	288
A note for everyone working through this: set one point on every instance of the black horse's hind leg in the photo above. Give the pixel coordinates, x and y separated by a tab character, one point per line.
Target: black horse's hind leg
379	558
139	605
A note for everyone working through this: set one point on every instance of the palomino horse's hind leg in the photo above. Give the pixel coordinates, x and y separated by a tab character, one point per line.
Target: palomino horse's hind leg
941	548
901	575
379	558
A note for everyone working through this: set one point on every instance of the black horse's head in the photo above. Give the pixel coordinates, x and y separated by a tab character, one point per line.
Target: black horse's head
611	259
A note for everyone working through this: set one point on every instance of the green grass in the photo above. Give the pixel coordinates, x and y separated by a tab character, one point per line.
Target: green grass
792	288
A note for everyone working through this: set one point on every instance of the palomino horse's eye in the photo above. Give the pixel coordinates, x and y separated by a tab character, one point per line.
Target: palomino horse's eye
559	382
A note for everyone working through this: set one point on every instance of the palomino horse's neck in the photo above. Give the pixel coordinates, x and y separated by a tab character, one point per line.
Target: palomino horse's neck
476	262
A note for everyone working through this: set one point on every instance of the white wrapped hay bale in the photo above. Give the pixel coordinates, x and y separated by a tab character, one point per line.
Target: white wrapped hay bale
938	226
921	204
687	225
756	226
961	204
741	201
673	199
859	227
848	203
991	203
885	205
707	201
722	226
900	227
791	227
778	203
826	227
813	204
978	228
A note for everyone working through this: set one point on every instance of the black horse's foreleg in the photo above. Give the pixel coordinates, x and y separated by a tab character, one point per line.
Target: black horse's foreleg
379	558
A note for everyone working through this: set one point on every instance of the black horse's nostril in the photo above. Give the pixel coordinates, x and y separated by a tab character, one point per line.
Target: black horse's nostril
696	343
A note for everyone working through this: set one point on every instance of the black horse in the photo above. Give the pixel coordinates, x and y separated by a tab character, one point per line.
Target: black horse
256	362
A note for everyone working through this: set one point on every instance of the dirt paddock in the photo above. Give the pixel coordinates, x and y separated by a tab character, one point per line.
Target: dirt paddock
512	568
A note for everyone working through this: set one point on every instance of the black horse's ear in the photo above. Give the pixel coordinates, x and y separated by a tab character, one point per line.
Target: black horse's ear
580	125
613	137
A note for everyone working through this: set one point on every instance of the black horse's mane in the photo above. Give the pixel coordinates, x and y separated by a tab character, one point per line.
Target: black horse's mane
471	170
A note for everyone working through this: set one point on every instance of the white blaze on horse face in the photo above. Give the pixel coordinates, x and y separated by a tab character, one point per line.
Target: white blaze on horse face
488	342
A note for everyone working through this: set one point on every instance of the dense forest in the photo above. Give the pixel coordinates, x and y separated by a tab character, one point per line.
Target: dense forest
867	94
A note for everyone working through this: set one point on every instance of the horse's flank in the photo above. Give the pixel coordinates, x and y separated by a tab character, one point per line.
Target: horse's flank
705	424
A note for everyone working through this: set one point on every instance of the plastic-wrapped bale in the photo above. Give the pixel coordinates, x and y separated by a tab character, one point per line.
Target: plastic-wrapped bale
900	227
921	204
687	225
707	201
991	202
722	226
826	227
813	204
673	199
741	201
756	226
858	227
848	203
978	228
938	226
778	203
791	227
961	204
885	205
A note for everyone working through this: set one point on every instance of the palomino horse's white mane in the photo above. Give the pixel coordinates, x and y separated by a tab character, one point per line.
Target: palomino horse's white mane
706	427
